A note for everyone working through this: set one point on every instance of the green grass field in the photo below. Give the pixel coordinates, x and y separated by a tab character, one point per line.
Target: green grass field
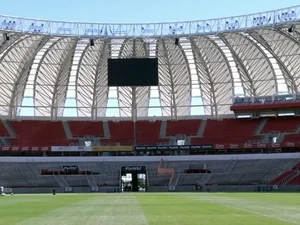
152	209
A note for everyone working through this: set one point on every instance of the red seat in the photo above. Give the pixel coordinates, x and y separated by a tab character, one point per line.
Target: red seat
284	124
86	128
228	131
120	133
38	133
148	133
186	127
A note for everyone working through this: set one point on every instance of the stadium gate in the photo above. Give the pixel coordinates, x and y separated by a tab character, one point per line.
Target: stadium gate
133	178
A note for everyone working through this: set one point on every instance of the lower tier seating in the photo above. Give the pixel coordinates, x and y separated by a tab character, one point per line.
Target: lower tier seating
223	172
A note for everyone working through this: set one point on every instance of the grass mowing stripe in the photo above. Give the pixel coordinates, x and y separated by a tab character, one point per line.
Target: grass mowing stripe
20	208
288	214
109	209
183	210
151	209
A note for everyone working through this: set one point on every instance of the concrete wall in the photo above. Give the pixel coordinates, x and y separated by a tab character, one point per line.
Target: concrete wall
208	188
151	158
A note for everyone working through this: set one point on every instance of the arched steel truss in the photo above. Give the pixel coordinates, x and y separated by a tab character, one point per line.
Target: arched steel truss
57	76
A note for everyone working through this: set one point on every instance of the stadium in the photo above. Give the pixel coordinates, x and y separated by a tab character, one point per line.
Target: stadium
202	117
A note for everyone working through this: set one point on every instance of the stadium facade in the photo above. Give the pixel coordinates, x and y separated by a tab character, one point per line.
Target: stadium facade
54	69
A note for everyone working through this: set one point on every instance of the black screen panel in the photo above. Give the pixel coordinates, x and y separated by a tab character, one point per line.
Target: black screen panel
133	72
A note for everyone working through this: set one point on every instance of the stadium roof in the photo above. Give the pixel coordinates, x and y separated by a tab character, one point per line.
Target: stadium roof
49	68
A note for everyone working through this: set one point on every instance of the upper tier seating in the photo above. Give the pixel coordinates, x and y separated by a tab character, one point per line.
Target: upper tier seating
120	133
187	127
38	133
148	132
86	128
3	130
228	131
288	124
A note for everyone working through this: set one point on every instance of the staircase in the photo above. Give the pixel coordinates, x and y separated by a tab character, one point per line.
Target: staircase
297	131
206	177
175	179
202	128
9	129
67	129
260	126
4	142
106	130
163	129
61	181
163	170
91	180
290	177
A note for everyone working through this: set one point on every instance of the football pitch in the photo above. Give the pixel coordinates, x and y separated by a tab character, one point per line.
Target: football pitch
151	209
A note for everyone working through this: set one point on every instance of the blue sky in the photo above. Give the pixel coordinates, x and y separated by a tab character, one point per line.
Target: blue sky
134	11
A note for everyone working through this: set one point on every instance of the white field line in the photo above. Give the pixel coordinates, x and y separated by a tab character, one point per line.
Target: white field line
277	212
104	210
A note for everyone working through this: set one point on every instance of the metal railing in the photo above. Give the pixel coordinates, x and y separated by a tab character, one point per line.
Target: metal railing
187	28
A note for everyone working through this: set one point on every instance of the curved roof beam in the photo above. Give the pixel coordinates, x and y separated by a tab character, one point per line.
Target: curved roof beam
41	63
170	73
242	69
142	93
84	51
101	57
60	86
181	76
22	77
4	46
228	66
264	54
287	75
189	72
212	94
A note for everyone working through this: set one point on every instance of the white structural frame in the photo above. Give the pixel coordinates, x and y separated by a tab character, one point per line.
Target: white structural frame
50	68
154	30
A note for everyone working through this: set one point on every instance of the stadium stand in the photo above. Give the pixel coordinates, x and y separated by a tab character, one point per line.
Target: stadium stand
47	133
121	132
221	131
223	172
3	130
186	127
86	128
287	125
38	133
148	132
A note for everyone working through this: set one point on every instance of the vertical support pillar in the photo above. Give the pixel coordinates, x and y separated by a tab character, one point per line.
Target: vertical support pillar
134	113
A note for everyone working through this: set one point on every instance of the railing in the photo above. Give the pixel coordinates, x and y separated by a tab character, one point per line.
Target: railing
235	23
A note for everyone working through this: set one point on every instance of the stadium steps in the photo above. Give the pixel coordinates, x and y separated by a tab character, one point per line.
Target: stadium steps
295	180
291	179
202	128
106	130
260	126
288	178
163	129
297	166
67	129
91	180
297	131
4	142
9	129
61	181
162	170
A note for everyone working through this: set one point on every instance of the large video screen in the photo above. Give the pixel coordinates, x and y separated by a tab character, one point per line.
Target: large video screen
133	72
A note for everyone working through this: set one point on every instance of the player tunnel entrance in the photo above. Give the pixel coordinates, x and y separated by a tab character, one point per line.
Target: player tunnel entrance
133	178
